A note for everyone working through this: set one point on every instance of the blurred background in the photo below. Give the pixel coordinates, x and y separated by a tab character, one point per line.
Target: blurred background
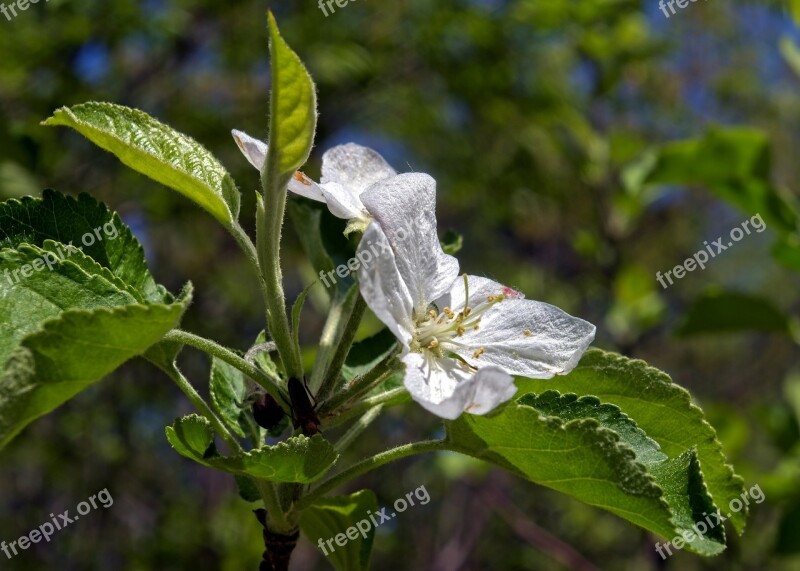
579	147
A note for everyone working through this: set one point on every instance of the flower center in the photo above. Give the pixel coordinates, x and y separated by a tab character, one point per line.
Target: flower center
439	332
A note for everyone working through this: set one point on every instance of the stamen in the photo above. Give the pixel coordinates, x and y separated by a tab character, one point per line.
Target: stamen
478	352
460	331
298	176
527	333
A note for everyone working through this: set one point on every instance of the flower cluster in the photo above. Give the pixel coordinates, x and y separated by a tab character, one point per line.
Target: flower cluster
463	337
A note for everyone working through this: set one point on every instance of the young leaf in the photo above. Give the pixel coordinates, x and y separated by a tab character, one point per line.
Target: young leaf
661	408
51	365
157	151
293	118
595	453
334	515
228	391
297	460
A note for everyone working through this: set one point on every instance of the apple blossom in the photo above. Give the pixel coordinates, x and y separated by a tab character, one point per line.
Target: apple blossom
347	171
463	337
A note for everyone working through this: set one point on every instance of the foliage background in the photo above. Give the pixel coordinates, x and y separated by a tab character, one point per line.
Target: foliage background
530	115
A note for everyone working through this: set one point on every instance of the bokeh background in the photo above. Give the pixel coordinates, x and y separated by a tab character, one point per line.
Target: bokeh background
548	125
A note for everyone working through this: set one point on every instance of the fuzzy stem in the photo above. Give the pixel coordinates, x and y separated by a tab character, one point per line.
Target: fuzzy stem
222	353
371	463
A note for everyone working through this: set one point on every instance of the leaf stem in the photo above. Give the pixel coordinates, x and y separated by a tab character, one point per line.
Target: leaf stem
387	399
277	519
270	224
363	384
360	426
268	383
348	334
371	463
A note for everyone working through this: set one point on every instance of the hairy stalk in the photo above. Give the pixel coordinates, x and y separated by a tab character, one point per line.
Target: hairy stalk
387	399
276	518
361	385
338	315
360	426
269	384
250	252
269	224
371	463
348	334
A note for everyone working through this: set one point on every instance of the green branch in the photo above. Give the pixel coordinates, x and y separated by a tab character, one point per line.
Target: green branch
268	383
371	463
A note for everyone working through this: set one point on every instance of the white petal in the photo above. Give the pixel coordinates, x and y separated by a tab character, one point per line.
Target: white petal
382	285
405	207
255	151
445	388
354	167
304	186
342	202
523	337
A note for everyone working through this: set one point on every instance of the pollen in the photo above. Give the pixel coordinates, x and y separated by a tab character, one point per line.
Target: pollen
449	312
433	314
433	344
491	298
478	352
460	331
467	311
527	333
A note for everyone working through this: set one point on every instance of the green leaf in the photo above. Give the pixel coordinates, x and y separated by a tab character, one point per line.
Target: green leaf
157	151
228	390
73	351
296	460
729	312
56	219
365	354
332	516
594	452
297	309
661	408
248	490
733	163
293	118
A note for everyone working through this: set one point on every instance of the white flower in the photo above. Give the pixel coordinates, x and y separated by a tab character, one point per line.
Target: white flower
463	336
347	171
